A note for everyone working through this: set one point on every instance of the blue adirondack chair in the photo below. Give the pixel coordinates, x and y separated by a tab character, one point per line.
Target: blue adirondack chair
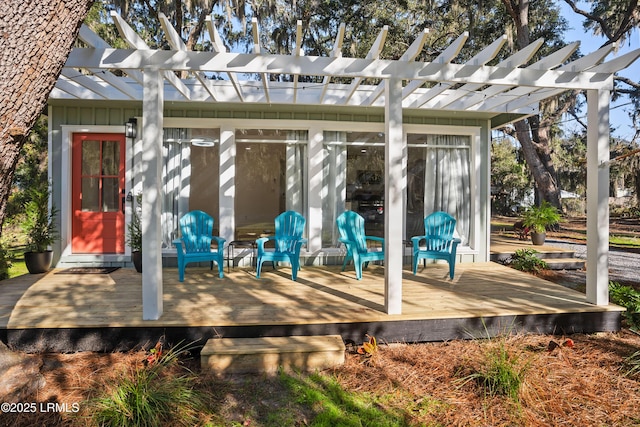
288	242
196	228
438	239
351	228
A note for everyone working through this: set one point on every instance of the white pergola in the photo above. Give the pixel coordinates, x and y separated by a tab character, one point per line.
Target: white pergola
508	89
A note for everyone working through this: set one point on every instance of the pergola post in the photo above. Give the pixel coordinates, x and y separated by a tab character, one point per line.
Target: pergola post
152	120
315	157
598	196
394	187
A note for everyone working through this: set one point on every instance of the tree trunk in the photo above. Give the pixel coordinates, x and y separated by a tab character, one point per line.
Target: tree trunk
543	172
533	134
35	40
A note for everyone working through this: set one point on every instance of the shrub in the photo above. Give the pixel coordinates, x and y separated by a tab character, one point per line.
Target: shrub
527	260
538	218
39	224
158	394
501	373
629	298
5	263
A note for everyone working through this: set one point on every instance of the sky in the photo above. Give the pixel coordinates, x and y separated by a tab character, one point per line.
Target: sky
619	117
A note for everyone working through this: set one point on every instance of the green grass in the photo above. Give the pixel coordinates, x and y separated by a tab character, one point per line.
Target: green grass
18	268
615	241
624	241
333	406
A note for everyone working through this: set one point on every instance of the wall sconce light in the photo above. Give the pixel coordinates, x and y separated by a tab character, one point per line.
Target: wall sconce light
131	128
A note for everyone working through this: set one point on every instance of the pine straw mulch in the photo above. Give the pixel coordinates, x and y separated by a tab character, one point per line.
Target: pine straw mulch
585	385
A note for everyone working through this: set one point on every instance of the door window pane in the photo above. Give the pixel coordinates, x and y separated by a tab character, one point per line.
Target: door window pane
110	195
90	157
90	194
110	157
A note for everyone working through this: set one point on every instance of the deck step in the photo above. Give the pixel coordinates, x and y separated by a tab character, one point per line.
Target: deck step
268	354
565	263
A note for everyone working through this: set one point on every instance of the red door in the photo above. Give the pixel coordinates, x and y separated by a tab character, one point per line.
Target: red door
98	193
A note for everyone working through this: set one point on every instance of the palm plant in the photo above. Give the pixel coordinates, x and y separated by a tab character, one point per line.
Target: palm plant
538	219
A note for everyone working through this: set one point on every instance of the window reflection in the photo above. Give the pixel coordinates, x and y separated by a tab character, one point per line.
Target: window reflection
270	178
352	179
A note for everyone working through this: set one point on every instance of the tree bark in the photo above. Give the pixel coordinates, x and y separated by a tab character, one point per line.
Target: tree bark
35	40
533	134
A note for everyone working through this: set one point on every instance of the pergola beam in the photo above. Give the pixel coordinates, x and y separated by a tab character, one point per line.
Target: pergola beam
481	58
336	52
298	52
218	46
409	55
374	53
256	50
468	90
445	57
135	41
336	67
176	43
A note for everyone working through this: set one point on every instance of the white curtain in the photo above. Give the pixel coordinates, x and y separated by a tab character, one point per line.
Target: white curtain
296	171
447	180
334	185
175	180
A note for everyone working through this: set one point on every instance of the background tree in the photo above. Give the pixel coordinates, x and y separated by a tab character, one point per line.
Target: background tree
31	170
187	16
36	40
536	133
510	180
616	21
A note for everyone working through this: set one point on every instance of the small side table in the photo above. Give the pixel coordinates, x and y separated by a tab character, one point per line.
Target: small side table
246	244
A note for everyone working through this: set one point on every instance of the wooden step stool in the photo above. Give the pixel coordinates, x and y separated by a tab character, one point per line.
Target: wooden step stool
268	354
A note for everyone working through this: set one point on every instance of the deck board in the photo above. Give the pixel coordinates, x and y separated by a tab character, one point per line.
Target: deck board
321	295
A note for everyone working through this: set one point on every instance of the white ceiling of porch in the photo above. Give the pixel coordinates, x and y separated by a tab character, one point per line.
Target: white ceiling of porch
99	72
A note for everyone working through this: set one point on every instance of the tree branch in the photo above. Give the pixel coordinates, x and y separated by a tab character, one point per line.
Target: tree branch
600	20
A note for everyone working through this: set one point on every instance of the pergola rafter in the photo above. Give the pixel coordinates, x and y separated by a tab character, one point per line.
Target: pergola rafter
473	86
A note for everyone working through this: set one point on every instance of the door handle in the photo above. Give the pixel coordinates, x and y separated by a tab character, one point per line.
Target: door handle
123	200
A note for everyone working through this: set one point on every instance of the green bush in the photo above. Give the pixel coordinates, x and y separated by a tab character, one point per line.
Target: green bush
629	298
501	374
5	263
527	260
538	218
161	393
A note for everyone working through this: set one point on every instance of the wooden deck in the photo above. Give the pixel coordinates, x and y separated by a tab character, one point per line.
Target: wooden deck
64	312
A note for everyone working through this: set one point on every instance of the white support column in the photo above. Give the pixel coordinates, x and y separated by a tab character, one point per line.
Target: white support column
598	196
185	180
314	151
152	120
227	183
394	187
